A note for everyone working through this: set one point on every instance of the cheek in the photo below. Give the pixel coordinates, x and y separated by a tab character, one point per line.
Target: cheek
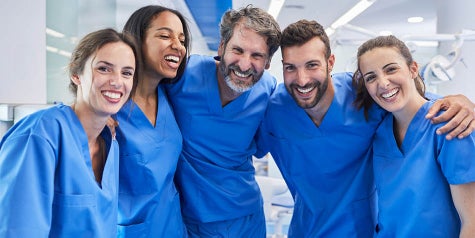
371	88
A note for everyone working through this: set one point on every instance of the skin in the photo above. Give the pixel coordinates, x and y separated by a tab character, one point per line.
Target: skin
307	77
163	50
459	112
243	61
389	81
103	88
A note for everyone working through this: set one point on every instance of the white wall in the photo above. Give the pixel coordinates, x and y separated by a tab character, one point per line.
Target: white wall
23	59
453	17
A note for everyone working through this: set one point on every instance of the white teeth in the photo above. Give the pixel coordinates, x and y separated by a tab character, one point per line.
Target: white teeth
239	74
172	58
390	93
112	95
305	90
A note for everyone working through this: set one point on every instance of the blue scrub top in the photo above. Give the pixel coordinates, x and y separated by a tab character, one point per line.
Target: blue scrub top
47	185
215	173
149	204
328	169
413	182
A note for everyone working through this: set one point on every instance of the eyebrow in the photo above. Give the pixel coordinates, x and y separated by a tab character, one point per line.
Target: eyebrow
105	62
111	64
385	66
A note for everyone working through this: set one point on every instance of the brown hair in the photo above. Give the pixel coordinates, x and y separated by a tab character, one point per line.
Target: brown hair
300	32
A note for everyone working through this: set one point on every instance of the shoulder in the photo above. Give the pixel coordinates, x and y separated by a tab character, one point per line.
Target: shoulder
343	80
267	81
48	122
196	61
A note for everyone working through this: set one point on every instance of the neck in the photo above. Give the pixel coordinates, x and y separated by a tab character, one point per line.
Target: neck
147	86
93	125
403	117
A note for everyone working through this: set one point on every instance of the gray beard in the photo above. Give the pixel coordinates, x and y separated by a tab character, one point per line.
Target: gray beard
235	87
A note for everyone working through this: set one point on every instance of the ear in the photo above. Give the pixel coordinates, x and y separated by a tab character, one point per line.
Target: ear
75	79
331	62
268	64
414	68
221	48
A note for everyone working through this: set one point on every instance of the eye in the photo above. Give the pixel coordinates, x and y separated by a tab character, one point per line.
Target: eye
128	73
391	69
104	68
289	68
369	78
312	65
164	36
237	50
182	41
258	56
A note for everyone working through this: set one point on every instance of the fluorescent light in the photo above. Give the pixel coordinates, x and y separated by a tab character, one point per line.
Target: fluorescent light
274	7
54	33
65	53
51	49
351	14
415	19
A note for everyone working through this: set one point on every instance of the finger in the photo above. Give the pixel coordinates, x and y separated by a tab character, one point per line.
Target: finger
460	130
434	109
468	131
451	113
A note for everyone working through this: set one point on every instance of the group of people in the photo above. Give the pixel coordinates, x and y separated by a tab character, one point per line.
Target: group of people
178	160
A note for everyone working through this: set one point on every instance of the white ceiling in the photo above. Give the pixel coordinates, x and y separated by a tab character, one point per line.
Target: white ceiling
382	15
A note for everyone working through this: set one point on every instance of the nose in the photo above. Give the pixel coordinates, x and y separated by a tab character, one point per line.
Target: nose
114	79
177	45
245	63
302	77
383	82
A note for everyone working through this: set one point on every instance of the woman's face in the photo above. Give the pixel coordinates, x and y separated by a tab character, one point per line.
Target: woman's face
107	80
388	78
164	45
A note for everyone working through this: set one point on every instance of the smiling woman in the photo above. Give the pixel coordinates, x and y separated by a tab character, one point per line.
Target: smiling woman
59	166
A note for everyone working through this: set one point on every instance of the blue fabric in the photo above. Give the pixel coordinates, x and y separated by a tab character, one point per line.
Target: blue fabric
413	182
250	226
328	169
47	185
215	173
149	204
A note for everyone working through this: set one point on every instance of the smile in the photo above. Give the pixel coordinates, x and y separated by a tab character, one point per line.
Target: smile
390	93
112	95
242	74
305	90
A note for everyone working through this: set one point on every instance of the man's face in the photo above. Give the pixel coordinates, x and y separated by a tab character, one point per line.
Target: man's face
243	59
306	72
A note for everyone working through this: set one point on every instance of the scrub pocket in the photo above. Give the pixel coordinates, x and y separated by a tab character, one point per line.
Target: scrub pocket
134	230
73	215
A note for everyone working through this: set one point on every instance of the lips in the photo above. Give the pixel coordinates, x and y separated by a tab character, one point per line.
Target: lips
172	58
242	74
305	90
390	94
112	95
